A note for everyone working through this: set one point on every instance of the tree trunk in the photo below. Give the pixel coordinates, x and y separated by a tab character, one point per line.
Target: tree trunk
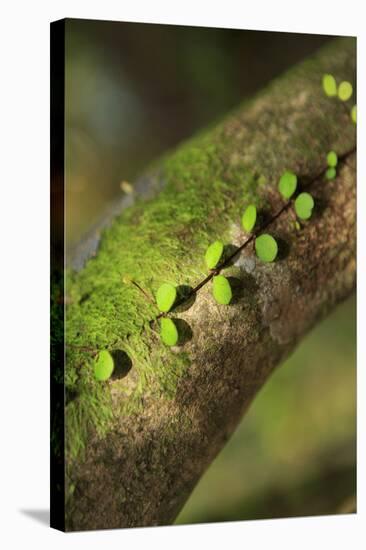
138	444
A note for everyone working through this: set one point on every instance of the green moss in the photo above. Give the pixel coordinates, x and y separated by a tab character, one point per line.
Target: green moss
167	238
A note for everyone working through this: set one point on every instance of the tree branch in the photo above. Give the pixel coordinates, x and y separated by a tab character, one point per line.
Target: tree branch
174	409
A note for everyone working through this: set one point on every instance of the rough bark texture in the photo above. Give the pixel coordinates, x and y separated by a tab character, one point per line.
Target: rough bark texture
143	469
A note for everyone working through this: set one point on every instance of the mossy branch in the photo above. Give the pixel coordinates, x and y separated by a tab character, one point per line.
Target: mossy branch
138	443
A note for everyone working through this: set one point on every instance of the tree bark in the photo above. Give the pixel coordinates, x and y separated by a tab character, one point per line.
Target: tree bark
141	471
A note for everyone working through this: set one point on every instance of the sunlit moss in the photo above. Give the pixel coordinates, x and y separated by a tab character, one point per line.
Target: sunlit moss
163	235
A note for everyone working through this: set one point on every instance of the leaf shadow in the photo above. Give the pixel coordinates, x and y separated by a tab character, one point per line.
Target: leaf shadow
230	251
242	288
185	333
283	249
122	364
185	298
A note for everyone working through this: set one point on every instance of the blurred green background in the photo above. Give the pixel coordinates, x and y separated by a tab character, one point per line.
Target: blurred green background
134	91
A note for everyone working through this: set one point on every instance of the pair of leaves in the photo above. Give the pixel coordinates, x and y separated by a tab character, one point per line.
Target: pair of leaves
165	298
265	245
343	91
304	205
332	161
222	293
221	287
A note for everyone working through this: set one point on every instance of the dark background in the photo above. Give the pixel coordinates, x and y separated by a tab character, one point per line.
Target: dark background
133	91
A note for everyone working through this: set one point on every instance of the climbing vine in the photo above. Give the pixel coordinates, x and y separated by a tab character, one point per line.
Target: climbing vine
218	257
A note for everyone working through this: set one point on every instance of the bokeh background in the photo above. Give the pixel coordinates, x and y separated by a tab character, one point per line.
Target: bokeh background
133	91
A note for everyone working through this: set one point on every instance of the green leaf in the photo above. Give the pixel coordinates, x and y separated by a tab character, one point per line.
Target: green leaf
345	90
266	248
287	184
103	365
304	205
332	159
331	173
354	113
165	297
329	85
168	332
222	290
249	218
213	254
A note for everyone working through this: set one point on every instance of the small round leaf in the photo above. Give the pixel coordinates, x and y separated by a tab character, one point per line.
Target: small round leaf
249	218
287	184
103	365
213	254
329	85
345	90
165	297
168	332
354	113
266	248
222	290
331	173
304	205
332	159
